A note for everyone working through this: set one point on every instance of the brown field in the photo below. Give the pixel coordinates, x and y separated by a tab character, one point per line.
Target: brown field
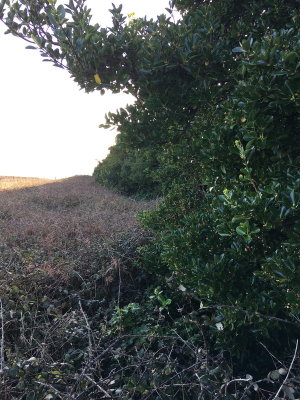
66	261
56	226
15	182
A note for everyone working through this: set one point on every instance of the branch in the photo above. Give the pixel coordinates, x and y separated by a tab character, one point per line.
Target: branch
289	371
172	377
89	331
106	394
235	380
2	338
253	313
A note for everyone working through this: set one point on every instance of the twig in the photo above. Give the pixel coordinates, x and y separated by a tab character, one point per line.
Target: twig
170	379
98	386
120	283
95	384
252	313
271	355
289	371
57	392
190	384
2	338
106	350
184	341
88	329
234	380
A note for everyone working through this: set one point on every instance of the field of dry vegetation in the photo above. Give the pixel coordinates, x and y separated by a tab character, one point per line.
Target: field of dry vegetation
56	226
65	246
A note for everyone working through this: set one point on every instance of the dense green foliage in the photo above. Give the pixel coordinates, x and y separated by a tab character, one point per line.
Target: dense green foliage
214	128
229	166
243	223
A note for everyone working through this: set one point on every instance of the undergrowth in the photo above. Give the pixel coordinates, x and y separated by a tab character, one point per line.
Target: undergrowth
81	319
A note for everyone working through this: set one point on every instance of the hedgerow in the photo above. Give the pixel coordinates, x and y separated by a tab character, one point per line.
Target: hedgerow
214	129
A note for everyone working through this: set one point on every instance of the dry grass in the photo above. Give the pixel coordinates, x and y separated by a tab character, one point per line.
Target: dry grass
55	226
66	260
15	182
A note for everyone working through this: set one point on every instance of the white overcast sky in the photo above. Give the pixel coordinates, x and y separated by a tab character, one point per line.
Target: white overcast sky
49	128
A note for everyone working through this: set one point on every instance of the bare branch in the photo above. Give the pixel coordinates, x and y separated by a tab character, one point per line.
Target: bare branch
288	373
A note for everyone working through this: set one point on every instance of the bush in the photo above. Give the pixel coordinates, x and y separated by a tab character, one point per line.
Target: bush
129	172
243	223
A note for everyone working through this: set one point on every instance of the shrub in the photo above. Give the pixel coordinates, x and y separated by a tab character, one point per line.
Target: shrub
244	222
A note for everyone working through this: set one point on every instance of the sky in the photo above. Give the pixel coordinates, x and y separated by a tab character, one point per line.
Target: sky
49	127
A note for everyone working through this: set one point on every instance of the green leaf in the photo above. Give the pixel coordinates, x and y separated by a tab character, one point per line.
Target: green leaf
256	387
292	196
282	210
281	275
238	218
79	44
219	326
15	289
61	11
238	50
240	231
289	392
2	4
219	318
274	375
13	371
51	18
243	229
282	371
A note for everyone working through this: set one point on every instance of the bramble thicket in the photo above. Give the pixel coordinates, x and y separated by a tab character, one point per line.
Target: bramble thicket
214	131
